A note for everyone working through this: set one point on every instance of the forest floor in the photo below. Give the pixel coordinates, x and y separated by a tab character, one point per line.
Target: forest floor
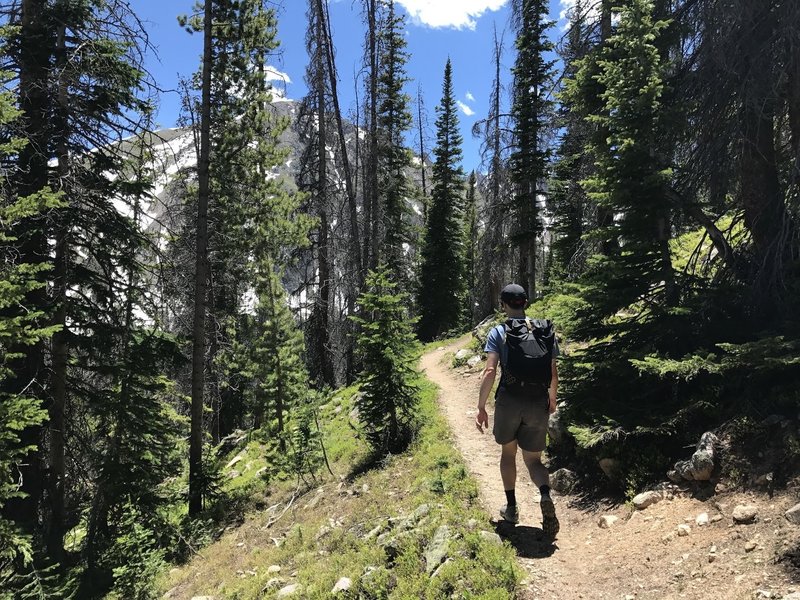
642	555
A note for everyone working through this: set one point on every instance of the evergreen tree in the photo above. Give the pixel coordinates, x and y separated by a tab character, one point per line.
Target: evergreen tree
630	295
570	208
251	218
394	121
389	399
441	281
18	411
530	109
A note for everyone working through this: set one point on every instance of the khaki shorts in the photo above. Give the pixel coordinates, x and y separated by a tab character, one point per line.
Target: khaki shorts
522	418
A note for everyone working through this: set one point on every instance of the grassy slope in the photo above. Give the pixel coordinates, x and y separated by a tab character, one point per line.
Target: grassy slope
321	537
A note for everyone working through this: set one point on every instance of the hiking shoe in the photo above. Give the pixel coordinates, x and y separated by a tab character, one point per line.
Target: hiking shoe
550	524
510	513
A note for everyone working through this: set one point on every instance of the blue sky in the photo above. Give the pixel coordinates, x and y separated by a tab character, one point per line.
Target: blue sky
435	30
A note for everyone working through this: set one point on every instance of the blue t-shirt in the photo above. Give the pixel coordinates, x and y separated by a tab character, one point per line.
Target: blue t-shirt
495	343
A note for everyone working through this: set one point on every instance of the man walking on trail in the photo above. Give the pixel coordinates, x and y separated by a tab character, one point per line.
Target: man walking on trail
526	396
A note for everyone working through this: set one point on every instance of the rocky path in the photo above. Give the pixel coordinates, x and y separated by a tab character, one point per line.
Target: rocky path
642	554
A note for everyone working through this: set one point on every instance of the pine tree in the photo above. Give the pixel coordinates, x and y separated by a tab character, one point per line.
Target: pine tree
441	281
394	121
388	400
251	218
630	295
18	411
530	109
571	210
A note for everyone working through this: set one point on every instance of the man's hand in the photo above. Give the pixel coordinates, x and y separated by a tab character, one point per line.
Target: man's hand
552	406
482	419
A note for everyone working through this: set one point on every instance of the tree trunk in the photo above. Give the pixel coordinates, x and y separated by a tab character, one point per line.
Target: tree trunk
35	50
201	277
605	217
60	357
348	171
372	174
322	336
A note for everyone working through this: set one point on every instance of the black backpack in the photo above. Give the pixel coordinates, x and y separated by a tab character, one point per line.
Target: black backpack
530	353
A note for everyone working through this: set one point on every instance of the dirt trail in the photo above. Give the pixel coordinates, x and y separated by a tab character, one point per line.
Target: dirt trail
641	556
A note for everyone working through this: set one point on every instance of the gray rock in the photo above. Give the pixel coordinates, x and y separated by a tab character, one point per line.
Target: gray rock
745	513
793	514
684	530
273	584
474	361
491	536
343	585
463	354
557	429
274	569
701	465
482	329
645	499
563	481
289	590
436	551
236	459
702	520
609	466
607	521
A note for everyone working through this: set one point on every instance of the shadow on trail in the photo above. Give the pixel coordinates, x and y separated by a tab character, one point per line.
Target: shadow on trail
529	542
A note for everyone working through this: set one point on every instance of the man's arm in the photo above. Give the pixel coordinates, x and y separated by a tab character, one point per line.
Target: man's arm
553	391
487	382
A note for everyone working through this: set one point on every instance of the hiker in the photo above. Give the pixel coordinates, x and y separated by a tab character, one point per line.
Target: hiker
526	396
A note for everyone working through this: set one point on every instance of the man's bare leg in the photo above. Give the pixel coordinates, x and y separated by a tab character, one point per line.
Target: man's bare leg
508	473
539	473
508	465
541	478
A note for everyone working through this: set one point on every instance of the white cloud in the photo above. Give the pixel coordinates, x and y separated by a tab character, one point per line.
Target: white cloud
458	14
273	74
470	97
465	109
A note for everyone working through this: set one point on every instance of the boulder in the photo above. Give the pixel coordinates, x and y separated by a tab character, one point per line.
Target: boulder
607	521
556	428
645	499
563	481
343	585
482	329
744	513
474	362
463	354
793	514
609	466
492	537
437	550
701	465
289	590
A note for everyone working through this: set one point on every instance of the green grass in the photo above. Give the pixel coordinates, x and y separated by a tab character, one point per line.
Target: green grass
322	536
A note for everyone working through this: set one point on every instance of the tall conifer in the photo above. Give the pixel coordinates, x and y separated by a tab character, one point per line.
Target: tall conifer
530	109
441	281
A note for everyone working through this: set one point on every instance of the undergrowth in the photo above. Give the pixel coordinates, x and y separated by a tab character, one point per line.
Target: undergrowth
323	535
